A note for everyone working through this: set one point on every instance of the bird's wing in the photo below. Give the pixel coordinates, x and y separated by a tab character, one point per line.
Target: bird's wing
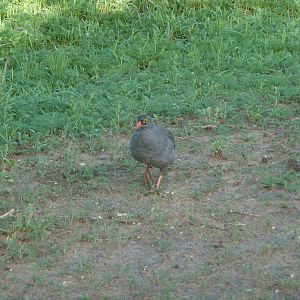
171	136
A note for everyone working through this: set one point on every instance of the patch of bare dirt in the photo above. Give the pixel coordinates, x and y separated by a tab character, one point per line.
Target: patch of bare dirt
222	226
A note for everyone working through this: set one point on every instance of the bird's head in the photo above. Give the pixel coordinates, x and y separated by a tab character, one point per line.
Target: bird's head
144	120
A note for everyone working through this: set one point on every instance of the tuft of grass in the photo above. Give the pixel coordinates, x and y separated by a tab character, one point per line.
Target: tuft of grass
254	113
218	147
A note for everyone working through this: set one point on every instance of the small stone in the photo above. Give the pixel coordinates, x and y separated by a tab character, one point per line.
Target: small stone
121	214
65	284
265	159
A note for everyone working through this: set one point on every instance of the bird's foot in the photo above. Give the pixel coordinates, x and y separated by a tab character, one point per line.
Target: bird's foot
159	181
151	191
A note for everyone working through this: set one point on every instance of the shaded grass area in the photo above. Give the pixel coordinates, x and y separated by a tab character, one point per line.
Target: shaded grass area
85	67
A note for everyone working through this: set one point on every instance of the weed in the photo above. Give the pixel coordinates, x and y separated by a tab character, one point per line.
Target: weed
214	115
5	142
270	182
235	232
196	193
218	147
159	218
163	245
290	284
254	113
15	249
267	249
129	164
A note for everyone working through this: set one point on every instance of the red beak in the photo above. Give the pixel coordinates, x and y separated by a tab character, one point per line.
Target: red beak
138	125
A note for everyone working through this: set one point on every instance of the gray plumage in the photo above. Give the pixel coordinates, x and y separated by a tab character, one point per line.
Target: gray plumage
152	144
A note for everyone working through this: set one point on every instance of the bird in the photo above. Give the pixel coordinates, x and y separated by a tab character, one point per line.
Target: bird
152	145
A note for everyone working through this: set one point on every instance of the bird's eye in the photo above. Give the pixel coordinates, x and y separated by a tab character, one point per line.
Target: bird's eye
145	121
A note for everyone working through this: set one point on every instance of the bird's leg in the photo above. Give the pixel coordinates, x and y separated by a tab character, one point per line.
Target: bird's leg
159	181
161	175
147	175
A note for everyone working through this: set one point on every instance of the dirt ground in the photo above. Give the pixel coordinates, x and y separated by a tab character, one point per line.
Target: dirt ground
225	225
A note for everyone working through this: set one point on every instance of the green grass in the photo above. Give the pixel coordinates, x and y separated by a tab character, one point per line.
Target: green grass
74	75
86	67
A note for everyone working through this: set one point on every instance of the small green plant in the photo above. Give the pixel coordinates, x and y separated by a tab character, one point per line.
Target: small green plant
5	141
159	218
235	232
290	284
196	193
28	66
270	182
267	249
214	115
218	147
254	113
129	164
15	249
57	63
163	245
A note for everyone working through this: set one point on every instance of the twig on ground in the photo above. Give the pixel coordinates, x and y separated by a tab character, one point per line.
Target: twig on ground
240	224
7	214
209	127
207	225
244	214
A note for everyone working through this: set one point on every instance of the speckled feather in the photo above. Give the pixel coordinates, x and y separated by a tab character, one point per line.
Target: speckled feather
154	145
